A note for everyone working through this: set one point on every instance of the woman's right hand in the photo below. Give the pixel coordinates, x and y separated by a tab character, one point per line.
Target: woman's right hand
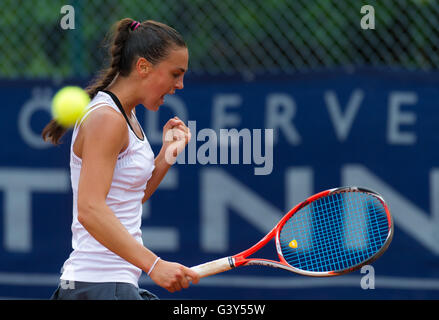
173	276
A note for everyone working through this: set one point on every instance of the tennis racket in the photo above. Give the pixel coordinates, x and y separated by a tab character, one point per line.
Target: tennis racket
331	233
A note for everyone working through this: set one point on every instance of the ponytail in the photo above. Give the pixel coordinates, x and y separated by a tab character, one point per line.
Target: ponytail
53	132
106	77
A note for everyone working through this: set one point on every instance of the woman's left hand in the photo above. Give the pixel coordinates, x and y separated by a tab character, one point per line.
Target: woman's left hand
176	135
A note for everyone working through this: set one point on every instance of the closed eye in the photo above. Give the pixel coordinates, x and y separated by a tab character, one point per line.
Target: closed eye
179	72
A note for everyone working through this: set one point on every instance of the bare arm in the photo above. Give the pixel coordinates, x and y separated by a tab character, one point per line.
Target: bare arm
98	163
175	137
160	170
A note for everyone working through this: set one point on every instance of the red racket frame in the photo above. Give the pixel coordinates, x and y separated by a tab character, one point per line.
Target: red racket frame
241	259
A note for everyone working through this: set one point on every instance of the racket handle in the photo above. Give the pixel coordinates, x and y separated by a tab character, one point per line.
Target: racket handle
214	267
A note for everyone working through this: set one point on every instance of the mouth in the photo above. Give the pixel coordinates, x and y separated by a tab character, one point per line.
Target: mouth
162	98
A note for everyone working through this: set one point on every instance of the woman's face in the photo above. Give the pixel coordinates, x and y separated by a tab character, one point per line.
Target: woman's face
165	77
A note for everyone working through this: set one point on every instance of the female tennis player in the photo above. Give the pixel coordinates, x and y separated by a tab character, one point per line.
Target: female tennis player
113	169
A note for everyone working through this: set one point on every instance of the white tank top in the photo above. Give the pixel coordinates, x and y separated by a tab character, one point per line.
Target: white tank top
90	261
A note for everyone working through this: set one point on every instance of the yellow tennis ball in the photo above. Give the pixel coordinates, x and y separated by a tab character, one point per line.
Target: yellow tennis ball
68	105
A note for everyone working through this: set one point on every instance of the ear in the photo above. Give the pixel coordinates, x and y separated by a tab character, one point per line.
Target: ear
143	67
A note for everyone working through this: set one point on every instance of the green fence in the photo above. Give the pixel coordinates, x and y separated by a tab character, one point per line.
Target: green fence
224	37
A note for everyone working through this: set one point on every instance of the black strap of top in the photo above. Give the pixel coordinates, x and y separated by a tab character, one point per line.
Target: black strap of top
119	105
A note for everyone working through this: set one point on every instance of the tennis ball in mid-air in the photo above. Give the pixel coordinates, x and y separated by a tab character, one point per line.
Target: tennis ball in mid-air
68	105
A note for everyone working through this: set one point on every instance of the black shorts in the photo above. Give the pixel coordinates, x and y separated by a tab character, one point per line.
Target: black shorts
101	291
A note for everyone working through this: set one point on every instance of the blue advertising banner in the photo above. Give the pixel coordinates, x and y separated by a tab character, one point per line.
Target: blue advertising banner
298	135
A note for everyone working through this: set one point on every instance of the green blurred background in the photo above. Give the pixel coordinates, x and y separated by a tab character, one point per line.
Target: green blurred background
224	37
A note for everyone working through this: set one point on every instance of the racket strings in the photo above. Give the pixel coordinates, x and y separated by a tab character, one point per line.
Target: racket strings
356	237
347	258
335	233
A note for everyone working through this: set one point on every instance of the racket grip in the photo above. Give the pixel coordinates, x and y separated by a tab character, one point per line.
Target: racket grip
214	267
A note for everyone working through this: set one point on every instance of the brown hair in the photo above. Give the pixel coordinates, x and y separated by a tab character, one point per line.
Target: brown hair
150	39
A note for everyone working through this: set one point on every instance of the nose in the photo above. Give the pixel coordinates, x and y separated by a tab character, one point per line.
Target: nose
179	85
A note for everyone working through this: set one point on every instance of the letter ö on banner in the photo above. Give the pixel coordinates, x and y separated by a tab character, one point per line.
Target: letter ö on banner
41	100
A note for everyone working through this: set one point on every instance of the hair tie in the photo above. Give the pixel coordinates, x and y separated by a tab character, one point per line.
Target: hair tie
134	25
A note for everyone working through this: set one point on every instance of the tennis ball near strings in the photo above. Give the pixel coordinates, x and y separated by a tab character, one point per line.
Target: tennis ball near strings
68	105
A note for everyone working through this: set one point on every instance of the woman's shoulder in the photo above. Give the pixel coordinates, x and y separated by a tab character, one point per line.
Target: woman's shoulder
103	116
104	122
